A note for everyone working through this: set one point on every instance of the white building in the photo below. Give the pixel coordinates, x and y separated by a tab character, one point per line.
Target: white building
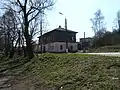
57	41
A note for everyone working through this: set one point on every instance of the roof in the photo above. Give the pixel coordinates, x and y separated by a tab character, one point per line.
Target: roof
63	29
87	38
60	29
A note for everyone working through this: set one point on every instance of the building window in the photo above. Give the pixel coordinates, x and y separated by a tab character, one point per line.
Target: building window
71	48
61	47
72	38
48	46
44	49
52	47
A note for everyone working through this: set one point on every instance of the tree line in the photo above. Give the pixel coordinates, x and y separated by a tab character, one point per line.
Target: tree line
103	37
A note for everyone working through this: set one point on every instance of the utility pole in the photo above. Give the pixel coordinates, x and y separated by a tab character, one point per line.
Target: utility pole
66	36
84	44
41	34
66	32
41	39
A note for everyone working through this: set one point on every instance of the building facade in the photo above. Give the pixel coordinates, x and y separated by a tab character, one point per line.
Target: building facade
56	40
85	43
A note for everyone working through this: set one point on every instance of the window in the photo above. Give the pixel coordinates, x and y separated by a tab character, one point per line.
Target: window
71	48
61	47
48	46
72	38
52	47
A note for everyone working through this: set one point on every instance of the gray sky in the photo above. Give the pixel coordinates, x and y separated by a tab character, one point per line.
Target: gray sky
79	12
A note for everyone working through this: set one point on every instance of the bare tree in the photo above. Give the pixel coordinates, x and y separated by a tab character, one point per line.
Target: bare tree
118	19
98	23
29	10
34	27
38	27
116	22
8	28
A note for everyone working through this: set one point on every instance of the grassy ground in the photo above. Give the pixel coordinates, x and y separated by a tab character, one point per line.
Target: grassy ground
70	72
75	72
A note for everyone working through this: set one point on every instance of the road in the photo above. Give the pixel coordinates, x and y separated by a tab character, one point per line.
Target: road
117	54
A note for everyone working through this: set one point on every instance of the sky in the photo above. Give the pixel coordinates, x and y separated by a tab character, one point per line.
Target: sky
79	13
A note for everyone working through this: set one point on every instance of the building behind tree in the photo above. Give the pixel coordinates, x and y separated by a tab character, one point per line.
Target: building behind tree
55	41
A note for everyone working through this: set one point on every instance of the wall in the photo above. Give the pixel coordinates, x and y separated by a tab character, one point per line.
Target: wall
59	47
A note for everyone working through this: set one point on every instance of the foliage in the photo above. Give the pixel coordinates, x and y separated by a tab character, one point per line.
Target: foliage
108	38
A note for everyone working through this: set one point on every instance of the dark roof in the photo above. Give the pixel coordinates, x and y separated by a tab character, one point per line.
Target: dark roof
63	29
59	29
87	38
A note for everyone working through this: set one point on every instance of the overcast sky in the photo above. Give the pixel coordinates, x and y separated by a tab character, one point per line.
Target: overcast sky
79	12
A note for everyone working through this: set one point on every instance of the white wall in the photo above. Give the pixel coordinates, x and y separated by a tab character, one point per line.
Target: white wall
55	47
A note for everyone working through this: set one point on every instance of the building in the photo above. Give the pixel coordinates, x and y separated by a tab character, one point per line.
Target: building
85	43
55	41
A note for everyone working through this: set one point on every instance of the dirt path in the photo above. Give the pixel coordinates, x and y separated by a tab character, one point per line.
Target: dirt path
117	54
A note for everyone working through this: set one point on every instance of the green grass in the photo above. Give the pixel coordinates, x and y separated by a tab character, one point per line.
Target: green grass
72	72
77	72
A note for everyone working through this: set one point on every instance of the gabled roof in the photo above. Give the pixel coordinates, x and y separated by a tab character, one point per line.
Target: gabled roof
60	29
63	29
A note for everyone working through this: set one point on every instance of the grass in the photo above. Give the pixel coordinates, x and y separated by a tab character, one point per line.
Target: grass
73	72
77	72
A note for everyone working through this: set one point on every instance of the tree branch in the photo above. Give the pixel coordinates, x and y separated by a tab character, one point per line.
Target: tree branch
34	17
20	4
29	11
25	3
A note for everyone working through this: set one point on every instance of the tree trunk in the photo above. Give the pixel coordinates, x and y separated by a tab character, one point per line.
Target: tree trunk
6	51
12	51
28	42
29	49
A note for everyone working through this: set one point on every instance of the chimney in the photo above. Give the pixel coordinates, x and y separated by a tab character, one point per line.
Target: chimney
59	26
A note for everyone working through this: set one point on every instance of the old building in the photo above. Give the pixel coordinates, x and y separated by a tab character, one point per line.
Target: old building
85	43
57	40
